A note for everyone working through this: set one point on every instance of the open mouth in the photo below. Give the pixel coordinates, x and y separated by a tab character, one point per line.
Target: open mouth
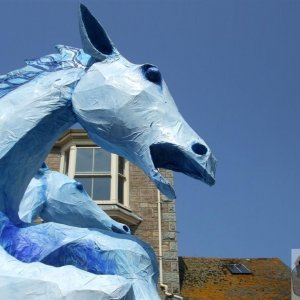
190	162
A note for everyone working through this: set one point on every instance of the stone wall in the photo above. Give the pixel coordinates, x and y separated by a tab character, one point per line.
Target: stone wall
53	159
144	202
169	240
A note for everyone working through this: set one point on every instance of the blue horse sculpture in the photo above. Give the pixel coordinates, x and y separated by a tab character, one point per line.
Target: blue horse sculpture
57	198
18	280
126	109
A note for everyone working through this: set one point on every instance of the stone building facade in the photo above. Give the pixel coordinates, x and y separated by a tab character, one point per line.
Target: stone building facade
136	202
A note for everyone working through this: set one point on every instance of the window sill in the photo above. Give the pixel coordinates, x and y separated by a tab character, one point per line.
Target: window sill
120	213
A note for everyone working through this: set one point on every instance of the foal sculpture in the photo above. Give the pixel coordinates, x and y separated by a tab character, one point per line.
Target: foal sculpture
126	109
57	198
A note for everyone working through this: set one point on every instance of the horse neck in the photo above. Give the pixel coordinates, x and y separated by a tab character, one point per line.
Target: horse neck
30	128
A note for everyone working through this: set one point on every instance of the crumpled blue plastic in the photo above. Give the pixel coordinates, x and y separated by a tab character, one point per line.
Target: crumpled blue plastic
126	109
92	250
57	198
38	281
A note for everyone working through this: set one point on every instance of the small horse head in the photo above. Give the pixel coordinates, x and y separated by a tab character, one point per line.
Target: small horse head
128	110
57	198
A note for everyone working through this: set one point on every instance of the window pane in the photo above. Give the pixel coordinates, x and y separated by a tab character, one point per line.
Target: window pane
121	165
101	188
121	183
84	160
102	161
86	182
243	269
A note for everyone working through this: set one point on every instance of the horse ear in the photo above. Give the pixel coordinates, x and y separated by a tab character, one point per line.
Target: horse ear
94	39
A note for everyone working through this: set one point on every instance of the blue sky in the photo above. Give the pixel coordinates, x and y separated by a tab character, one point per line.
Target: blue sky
233	68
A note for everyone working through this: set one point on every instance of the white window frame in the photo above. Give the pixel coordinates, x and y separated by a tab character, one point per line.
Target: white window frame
114	175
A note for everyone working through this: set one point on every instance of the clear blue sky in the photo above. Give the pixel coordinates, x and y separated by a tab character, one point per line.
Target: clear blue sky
233	68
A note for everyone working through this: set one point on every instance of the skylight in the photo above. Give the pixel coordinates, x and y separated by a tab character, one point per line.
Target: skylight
238	269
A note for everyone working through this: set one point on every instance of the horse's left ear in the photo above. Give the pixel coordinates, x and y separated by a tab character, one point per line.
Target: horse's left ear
94	39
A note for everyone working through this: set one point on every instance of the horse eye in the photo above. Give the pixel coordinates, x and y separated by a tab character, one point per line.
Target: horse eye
79	186
152	73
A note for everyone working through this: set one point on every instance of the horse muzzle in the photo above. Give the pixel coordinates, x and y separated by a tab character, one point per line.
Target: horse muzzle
196	161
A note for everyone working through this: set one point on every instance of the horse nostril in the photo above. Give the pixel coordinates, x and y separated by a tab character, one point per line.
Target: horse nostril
121	228
199	149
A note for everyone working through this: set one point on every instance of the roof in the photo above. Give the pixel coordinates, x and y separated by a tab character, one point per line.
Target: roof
209	279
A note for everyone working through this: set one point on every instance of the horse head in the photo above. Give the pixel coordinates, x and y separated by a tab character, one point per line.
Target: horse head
57	198
128	109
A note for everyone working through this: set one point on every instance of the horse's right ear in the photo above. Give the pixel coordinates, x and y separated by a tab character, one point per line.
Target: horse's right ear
94	39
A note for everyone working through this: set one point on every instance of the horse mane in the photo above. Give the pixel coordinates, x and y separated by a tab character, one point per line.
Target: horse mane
66	58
